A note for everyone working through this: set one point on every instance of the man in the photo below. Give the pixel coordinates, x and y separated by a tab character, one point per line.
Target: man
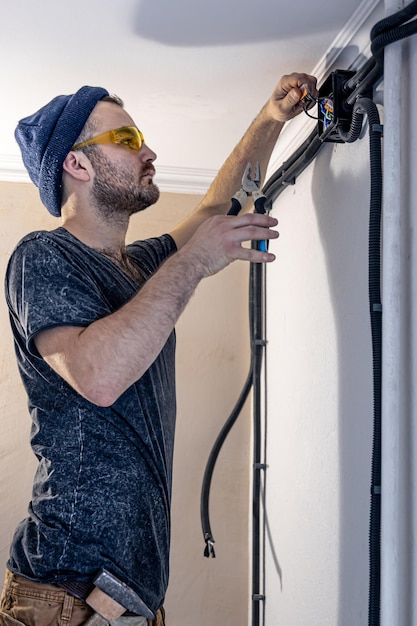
93	323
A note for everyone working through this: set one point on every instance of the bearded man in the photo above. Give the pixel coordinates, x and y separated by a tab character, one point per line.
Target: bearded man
93	323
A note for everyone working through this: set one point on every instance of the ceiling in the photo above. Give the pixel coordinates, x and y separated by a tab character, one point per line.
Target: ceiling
192	73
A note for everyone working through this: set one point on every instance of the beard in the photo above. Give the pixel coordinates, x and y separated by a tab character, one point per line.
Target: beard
118	191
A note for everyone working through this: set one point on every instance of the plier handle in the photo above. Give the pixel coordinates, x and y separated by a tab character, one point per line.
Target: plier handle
250	187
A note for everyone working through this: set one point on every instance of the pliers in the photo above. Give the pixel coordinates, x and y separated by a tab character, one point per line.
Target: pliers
250	187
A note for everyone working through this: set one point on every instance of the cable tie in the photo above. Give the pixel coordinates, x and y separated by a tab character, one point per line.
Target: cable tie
377	128
258	597
377	307
287	183
376	490
261	466
260	342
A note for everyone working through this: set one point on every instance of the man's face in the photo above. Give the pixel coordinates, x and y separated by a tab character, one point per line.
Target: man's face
122	185
123	181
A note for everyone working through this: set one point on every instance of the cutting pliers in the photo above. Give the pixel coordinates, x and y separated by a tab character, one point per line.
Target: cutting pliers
250	187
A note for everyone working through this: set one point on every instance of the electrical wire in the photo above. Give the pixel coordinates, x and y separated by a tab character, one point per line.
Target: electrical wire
289	171
396	19
208	473
368	107
257	306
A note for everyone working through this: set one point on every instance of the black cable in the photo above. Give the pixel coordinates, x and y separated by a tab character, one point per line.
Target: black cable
382	38
374	281
359	75
208	474
258	347
387	37
356	126
394	20
290	170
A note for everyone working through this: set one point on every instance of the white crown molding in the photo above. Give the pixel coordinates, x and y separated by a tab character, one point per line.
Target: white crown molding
169	179
12	169
184	180
345	38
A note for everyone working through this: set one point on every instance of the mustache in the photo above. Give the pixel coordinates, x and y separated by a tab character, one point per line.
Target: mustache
149	169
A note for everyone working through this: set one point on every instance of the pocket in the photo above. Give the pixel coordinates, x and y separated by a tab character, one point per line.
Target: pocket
31	611
6	620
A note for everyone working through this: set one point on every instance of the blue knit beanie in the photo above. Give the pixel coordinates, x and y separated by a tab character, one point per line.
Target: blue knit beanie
46	137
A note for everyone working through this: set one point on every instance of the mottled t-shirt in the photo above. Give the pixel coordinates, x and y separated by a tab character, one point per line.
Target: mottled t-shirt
102	489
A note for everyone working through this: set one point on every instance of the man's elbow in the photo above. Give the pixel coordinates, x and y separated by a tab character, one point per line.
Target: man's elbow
102	395
96	388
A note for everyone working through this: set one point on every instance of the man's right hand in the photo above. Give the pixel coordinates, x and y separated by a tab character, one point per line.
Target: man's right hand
219	241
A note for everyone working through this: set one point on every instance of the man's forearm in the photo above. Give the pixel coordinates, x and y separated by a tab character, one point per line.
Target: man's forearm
119	348
103	359
257	144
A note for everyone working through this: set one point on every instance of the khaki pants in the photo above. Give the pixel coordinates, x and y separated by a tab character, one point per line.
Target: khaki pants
25	603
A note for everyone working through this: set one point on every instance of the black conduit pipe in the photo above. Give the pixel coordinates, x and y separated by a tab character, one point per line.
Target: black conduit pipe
375	308
394	20
362	106
385	32
288	172
257	296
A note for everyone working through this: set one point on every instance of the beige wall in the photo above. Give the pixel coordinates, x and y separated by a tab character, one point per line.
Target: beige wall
212	363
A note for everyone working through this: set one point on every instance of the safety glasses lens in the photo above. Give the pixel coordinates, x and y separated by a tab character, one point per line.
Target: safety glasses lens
129	136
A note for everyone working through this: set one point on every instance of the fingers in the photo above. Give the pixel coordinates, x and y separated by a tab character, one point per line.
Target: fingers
294	81
222	239
253	219
286	101
252	227
253	255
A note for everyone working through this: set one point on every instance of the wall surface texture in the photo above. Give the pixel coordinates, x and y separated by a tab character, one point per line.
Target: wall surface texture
319	396
319	407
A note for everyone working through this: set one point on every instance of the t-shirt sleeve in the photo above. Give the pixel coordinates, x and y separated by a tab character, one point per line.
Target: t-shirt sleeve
151	253
44	289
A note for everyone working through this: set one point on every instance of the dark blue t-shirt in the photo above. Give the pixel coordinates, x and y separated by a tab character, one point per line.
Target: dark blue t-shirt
102	489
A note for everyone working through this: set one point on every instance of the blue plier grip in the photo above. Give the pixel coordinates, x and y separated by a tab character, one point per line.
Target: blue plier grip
260	207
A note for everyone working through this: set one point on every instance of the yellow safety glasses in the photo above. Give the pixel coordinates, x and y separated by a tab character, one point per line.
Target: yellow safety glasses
128	136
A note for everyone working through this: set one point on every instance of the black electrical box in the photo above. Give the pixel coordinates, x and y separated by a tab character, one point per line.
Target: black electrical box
334	114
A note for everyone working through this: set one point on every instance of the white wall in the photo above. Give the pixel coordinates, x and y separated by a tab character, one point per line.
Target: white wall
319	391
319	378
319	396
399	401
